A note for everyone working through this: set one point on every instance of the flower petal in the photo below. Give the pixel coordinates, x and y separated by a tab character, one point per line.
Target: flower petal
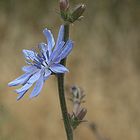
29	68
47	74
50	39
67	49
57	52
24	88
30	82
29	54
44	49
58	68
38	87
65	52
34	77
60	36
21	94
20	80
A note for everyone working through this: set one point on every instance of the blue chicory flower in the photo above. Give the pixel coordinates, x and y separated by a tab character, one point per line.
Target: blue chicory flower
41	65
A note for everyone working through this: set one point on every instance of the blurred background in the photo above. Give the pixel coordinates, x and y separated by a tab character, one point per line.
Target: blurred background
105	62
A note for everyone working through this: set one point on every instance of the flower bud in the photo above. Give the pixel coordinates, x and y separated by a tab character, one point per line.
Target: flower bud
77	94
64	5
78	11
77	119
81	114
75	91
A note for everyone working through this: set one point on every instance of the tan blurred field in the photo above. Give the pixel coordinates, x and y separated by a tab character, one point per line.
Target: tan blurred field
105	62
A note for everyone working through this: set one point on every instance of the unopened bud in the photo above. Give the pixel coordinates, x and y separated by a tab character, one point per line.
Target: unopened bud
81	114
64	5
78	11
76	119
77	93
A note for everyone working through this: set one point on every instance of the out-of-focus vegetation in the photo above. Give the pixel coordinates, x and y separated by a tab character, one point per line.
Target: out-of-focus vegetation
105	62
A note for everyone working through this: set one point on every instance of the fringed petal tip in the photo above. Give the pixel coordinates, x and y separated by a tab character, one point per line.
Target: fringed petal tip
10	84
32	96
20	94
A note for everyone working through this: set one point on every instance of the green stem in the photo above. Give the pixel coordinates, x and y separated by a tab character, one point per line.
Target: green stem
64	111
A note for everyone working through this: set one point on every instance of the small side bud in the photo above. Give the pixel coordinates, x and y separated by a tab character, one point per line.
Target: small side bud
64	5
76	119
81	114
78	11
78	114
77	94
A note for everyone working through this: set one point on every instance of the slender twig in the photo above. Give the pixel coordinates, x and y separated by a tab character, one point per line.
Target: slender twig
61	91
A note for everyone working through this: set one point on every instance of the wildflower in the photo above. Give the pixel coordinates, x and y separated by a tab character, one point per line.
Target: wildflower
41	65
